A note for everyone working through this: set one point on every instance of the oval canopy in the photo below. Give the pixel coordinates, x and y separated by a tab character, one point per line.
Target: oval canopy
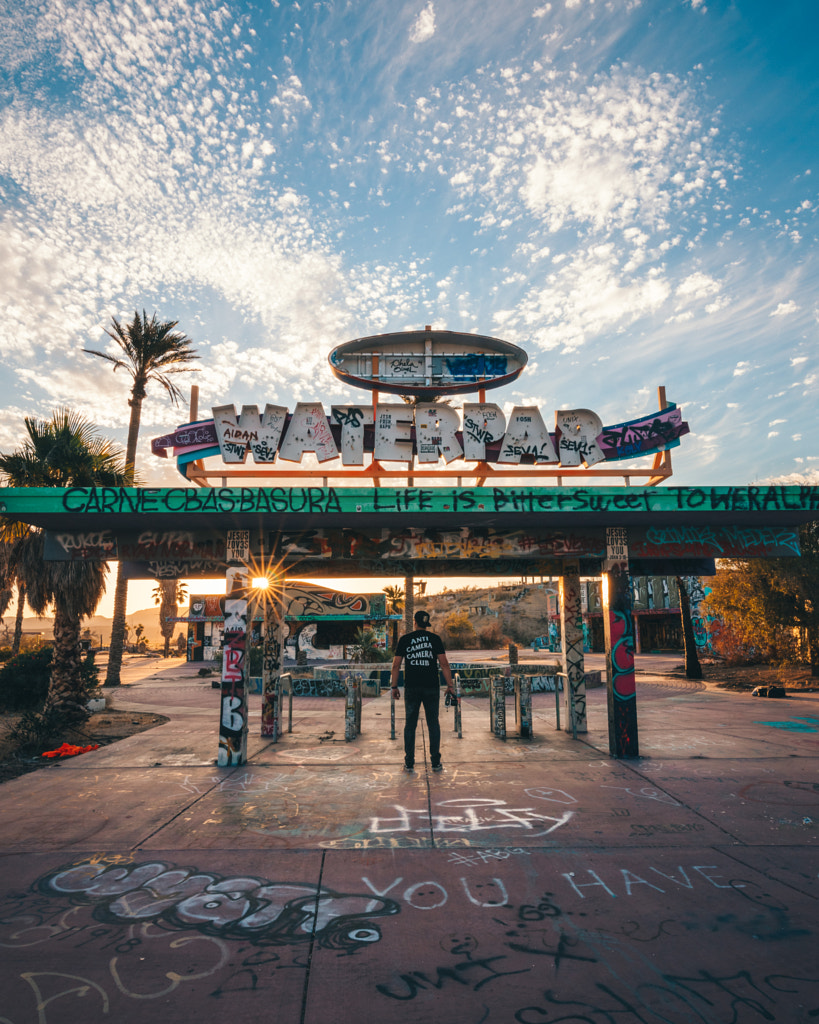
427	363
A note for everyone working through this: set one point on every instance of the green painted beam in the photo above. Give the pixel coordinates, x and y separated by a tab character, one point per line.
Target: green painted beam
220	506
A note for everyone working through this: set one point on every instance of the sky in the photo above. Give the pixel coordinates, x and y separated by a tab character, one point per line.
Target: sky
625	189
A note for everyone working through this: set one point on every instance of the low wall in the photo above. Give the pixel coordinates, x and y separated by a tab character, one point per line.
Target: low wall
475	678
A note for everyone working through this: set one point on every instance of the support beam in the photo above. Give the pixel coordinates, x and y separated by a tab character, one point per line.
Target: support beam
618	622
233	704
571	627
273	659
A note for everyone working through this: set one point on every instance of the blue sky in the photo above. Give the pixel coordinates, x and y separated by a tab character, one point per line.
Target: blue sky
625	189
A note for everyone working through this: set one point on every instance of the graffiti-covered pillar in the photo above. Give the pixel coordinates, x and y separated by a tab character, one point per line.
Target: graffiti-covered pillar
571	626
233	714
273	658
618	622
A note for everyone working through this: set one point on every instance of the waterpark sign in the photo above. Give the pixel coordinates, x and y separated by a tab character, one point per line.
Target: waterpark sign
480	432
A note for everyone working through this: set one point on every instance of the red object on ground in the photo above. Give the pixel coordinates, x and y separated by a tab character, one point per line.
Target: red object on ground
69	750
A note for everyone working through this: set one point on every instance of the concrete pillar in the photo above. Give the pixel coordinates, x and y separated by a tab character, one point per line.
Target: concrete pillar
618	622
571	626
233	704
273	658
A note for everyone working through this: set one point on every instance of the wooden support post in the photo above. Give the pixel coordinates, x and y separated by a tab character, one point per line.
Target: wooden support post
571	625
618	622
523	705
498	703
352	716
233	704
272	660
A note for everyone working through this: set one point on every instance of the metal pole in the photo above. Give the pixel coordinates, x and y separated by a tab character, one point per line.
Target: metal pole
392	716
458	723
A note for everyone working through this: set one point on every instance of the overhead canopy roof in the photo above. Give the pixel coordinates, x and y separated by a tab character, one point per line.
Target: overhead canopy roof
455	531
305	508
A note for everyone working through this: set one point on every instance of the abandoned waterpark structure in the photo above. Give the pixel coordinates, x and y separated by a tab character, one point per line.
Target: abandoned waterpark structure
419	488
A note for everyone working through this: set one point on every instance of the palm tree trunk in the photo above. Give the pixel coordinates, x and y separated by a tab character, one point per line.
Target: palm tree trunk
65	691
117	631
18	621
112	676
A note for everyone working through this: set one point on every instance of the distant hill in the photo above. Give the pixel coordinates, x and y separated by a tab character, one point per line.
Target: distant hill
98	624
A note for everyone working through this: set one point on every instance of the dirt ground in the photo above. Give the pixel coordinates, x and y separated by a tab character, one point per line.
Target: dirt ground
746	678
103	727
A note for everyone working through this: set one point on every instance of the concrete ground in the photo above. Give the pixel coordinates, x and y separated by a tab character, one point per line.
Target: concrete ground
531	881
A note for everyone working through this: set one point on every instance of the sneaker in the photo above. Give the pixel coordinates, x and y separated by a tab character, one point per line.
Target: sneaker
438	767
409	768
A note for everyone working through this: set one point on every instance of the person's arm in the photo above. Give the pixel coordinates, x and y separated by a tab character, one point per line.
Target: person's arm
396	668
447	673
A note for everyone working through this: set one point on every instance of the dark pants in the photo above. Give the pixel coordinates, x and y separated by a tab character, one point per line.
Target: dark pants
413	699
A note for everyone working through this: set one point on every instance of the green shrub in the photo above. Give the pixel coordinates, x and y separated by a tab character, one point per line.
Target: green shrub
24	680
89	672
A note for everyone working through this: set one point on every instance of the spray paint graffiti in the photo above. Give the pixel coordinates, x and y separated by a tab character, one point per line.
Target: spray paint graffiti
248	908
471	815
622	692
571	627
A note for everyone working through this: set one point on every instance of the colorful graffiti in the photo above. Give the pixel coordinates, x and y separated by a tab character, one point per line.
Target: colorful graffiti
233	718
622	693
245	908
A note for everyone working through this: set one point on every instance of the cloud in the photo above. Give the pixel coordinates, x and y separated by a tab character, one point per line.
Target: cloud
423	27
786	309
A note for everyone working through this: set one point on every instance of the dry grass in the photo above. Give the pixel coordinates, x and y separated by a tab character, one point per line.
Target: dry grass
103	727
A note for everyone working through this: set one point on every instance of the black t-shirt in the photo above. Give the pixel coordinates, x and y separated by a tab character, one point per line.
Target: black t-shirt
420	651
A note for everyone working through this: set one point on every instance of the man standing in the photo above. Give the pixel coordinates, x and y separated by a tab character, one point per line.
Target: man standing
422	651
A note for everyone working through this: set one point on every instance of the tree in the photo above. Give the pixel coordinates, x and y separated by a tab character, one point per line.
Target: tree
395	605
169	594
9	533
150	351
365	647
64	451
771	606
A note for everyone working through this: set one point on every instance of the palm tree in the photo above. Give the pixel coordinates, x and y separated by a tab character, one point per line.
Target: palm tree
150	351
395	605
169	594
64	451
9	578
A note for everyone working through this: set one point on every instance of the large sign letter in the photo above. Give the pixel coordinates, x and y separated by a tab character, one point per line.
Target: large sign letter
259	434
483	423
527	435
435	427
579	429
309	431
393	433
352	419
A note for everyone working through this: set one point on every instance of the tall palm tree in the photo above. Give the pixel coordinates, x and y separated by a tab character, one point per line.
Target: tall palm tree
169	594
395	605
9	579
150	351
64	451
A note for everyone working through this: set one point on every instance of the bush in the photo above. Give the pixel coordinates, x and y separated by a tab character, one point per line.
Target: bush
24	680
492	636
89	673
459	633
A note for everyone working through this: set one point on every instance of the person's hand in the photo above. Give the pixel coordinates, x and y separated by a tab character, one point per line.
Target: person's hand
396	693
